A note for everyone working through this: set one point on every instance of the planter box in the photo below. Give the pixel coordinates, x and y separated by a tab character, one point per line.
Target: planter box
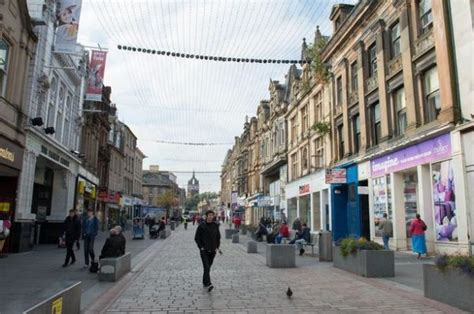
450	286
230	232
281	255
366	263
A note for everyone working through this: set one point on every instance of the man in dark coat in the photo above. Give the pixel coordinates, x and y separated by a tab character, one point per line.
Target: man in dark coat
208	240
114	246
72	233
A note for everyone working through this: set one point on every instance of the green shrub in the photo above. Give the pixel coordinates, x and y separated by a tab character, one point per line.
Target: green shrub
463	263
352	245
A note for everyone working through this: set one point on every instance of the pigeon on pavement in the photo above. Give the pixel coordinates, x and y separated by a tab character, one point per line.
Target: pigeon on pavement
289	293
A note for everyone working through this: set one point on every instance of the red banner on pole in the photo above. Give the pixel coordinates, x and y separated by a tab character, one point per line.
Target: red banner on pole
95	81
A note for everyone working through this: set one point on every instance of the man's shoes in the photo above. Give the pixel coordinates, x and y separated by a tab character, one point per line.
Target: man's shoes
86	266
72	262
64	265
301	252
209	289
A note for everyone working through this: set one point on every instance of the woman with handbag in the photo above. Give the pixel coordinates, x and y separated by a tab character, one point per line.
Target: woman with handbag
417	232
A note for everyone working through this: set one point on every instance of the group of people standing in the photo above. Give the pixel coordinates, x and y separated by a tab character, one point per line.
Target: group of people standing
88	229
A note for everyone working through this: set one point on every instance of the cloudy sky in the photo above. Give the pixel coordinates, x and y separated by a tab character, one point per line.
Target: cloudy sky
186	100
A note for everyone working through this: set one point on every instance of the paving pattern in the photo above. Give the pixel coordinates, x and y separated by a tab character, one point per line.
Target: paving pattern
170	282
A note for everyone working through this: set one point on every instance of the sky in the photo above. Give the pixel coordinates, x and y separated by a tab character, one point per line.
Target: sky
163	98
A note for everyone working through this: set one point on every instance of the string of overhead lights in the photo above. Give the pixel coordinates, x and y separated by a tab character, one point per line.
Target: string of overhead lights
186	143
209	58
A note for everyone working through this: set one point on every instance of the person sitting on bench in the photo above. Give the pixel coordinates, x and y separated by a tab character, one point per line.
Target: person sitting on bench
302	238
284	232
114	246
262	230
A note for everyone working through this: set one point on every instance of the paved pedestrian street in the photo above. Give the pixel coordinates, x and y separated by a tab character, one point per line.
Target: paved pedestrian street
169	281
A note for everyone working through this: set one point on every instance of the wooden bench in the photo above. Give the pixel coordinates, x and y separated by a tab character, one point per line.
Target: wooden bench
312	243
114	268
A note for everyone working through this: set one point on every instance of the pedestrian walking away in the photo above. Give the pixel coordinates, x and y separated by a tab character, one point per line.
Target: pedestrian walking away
417	232
208	240
90	230
387	230
72	233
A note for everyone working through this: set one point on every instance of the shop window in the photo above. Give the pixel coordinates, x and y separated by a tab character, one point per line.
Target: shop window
382	202
376	123
410	196
395	40
316	211
356	132
339	91
426	17
372	60
305	210
354	82
431	92
4	54
400	111
444	201
292	209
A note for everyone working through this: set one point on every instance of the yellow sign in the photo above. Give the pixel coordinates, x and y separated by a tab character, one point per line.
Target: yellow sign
57	306
4	207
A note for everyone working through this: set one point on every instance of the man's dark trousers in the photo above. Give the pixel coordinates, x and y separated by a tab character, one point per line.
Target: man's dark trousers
89	248
207	258
69	251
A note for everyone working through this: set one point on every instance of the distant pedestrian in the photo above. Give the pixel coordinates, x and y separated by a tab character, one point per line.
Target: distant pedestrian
417	232
208	240
237	222
297	224
89	232
302	237
284	232
387	230
72	233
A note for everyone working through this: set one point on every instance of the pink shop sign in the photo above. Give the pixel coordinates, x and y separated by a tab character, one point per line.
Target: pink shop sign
436	149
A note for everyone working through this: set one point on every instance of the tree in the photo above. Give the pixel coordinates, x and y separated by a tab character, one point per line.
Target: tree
167	200
192	202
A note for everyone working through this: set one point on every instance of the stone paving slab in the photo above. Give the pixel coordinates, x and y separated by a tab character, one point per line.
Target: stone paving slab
170	282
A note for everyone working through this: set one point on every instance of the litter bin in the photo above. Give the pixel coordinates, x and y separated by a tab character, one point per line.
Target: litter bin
325	246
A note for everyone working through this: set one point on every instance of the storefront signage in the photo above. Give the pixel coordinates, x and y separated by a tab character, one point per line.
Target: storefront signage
109	196
233	199
10	154
363	190
4	207
436	149
303	189
263	201
335	176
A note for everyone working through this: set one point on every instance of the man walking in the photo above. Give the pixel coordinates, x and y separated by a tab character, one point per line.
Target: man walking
72	232
387	230
90	230
208	240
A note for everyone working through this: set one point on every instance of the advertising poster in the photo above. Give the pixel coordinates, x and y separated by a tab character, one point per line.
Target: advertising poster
444	202
96	75
67	21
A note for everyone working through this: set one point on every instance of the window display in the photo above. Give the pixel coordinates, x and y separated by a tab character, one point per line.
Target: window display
292	208
382	200
444	202
305	211
410	197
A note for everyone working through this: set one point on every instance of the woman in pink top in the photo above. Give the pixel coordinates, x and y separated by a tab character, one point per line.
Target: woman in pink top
5	227
417	232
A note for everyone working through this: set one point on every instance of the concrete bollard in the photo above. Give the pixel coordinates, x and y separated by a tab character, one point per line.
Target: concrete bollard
251	247
172	225
230	232
235	238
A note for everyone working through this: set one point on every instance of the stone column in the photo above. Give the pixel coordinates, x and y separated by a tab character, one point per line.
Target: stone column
382	87
398	212
444	59
364	121
408	71
425	204
25	187
345	103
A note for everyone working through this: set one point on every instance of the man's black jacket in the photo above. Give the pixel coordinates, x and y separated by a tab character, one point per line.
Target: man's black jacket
114	247
208	236
72	228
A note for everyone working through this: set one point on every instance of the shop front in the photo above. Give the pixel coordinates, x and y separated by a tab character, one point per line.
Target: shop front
86	193
426	179
11	159
308	199
109	208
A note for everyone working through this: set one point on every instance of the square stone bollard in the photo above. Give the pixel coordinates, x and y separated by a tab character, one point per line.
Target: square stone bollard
235	238
230	232
251	247
281	255
172	225
165	233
